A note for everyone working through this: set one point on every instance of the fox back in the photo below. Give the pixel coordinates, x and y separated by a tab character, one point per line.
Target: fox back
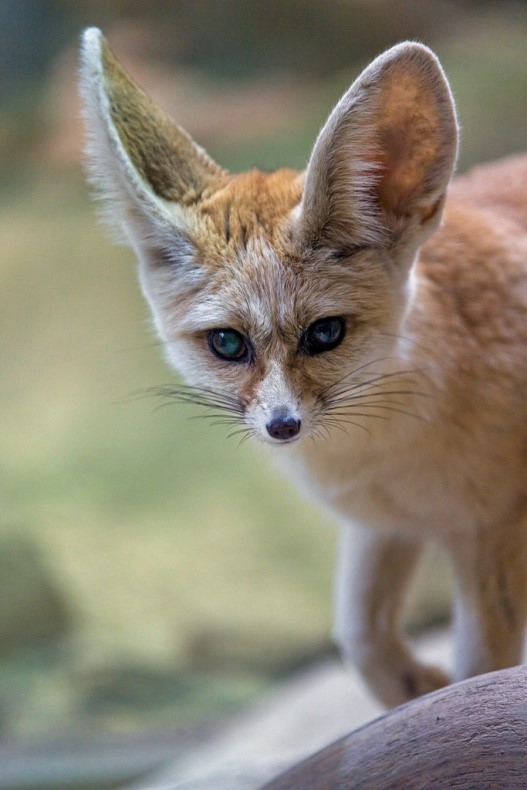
365	305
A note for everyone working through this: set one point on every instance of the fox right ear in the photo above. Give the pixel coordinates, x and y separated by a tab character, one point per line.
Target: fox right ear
147	168
381	164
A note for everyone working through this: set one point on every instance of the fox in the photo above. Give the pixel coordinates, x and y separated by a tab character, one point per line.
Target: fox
367	318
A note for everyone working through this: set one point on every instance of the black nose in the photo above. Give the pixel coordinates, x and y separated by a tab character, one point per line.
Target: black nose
283	428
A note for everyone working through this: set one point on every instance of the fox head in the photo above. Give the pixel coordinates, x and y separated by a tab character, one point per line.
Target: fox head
275	293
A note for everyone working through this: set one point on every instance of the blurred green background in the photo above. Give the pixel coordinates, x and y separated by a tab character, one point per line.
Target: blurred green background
152	573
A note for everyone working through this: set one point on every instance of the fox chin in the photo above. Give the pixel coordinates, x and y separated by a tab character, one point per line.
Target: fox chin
370	304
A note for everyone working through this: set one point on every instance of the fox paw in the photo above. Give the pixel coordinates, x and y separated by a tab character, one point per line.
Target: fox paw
418	680
397	682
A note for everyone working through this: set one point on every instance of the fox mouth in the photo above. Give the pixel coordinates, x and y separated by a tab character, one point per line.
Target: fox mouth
282	442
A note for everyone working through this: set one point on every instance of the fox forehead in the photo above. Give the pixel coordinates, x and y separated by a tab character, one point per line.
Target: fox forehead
245	210
258	293
249	256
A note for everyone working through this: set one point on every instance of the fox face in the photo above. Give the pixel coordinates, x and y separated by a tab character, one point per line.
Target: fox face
276	294
275	328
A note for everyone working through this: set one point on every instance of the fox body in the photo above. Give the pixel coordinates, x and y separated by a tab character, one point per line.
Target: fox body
367	304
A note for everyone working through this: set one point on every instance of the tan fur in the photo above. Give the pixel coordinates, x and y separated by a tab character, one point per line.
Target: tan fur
419	416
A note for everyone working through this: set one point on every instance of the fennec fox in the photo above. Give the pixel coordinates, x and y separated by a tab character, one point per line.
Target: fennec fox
365	317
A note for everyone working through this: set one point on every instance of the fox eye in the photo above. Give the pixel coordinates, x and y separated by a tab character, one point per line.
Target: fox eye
323	335
228	344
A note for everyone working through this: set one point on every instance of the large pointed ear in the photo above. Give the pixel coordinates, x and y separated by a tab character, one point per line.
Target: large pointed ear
147	169
382	162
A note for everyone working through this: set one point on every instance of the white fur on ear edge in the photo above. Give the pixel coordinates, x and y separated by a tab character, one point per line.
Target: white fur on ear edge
109	166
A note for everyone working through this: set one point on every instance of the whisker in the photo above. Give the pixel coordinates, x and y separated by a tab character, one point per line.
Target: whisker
244	438
206	402
373	392
335	424
161	406
238	432
365	390
220	408
349	422
377	398
396	410
217	421
321	432
357	414
211	414
379	390
381	377
245	433
201	400
357	370
198	395
397	336
209	395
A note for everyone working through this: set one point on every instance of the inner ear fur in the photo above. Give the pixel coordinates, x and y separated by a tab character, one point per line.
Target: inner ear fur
383	160
134	149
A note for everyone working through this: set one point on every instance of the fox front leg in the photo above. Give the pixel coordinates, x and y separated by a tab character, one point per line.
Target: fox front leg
491	601
374	570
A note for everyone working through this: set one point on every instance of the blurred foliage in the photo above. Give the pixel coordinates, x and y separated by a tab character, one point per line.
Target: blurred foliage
184	562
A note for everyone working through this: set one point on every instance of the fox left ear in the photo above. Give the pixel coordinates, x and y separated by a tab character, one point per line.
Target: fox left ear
147	169
381	164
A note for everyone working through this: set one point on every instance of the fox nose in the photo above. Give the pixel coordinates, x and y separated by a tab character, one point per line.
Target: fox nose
283	427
